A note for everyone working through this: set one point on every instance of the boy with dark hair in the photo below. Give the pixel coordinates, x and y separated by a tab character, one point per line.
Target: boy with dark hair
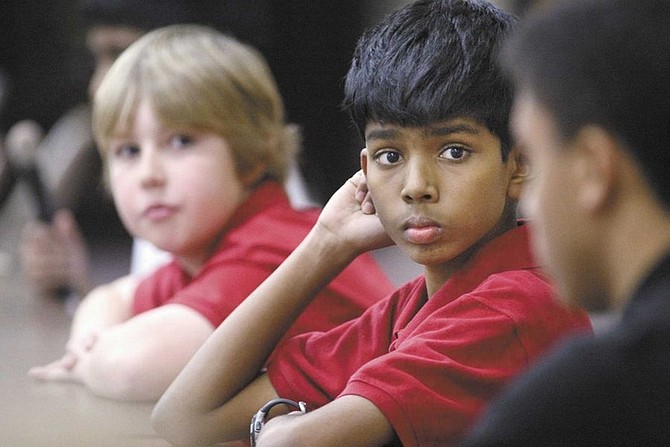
592	114
415	80
443	184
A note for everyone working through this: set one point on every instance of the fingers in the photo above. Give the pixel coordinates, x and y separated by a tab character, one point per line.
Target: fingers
362	193
367	205
42	259
72	241
55	255
66	225
63	369
78	348
60	370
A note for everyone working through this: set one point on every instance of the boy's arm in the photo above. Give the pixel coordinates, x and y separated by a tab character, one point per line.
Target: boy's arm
55	255
126	358
103	307
211	399
348	420
138	359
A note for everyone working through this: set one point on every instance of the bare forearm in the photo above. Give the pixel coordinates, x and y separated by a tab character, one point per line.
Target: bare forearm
109	373
138	359
230	359
104	307
350	420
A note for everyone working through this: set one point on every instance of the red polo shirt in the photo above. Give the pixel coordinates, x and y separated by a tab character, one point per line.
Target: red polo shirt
265	229
431	365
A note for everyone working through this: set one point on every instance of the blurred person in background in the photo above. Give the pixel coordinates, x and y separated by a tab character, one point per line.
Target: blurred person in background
56	256
307	45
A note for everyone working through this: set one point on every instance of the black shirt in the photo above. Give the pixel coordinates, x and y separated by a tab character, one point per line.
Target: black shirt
609	390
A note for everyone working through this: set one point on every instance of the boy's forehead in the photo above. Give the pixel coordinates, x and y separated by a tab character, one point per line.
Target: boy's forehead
460	125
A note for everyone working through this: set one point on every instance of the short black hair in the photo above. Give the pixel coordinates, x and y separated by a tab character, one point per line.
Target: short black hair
430	61
603	63
145	15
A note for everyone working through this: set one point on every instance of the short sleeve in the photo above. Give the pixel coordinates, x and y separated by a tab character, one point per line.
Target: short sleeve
456	354
315	367
215	293
434	382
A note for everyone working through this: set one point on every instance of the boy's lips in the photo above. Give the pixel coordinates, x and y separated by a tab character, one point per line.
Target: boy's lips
159	212
421	230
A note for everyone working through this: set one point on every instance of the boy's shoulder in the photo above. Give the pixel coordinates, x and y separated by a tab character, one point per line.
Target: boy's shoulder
504	278
500	257
267	215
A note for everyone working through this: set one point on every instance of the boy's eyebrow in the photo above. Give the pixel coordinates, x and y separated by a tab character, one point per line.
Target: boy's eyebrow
449	129
433	131
381	134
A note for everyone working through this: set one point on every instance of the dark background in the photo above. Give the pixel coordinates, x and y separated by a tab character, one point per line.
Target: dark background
308	44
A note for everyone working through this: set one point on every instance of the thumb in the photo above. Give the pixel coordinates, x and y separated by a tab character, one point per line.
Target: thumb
75	248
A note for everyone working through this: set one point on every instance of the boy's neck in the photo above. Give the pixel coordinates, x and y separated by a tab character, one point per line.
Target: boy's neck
437	275
633	257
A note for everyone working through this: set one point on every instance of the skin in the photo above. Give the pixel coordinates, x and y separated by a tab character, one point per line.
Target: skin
454	191
175	189
214	397
599	227
56	254
178	189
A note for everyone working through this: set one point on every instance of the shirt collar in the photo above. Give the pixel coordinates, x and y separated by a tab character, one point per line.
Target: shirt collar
509	251
268	194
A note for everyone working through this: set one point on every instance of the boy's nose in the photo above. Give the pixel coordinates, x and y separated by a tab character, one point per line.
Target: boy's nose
151	170
419	185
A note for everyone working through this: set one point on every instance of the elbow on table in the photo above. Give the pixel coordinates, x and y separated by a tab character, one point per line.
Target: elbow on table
182	426
177	430
171	427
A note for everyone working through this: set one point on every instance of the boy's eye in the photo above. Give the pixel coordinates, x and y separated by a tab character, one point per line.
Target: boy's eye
387	157
126	151
456	153
180	141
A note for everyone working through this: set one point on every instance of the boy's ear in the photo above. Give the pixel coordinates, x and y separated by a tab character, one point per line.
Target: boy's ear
253	175
597	167
519	168
364	160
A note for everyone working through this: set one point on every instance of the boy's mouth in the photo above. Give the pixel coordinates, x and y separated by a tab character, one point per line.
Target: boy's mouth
159	212
421	230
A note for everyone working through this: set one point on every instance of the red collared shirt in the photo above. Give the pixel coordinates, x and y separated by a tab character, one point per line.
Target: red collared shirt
264	231
431	365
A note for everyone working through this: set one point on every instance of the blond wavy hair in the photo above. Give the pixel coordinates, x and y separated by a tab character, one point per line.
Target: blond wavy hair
198	78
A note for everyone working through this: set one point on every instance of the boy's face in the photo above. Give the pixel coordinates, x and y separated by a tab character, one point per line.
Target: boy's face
177	188
561	236
440	190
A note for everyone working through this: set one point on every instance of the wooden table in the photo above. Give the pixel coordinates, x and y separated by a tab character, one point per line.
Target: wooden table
33	331
32	414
